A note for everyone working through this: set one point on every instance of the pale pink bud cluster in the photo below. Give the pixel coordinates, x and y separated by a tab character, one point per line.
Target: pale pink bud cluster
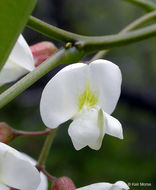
41	51
6	133
63	183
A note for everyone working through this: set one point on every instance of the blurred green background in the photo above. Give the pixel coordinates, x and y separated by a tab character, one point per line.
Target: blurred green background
133	159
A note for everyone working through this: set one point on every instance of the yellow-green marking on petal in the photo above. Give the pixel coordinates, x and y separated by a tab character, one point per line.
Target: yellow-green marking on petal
100	123
87	98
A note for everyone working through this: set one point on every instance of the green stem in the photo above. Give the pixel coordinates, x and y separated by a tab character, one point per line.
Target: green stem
75	54
92	44
101	42
146	4
61	57
140	21
52	31
46	148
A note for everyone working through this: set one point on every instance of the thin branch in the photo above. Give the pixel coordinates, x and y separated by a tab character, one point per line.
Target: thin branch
139	22
52	31
92	44
146	4
32	133
135	24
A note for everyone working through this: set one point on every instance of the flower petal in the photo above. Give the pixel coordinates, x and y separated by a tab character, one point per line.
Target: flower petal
105	78
96	186
17	172
10	73
59	101
19	62
44	182
120	185
84	130
21	54
112	126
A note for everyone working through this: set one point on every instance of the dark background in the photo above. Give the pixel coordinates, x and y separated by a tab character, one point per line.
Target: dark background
132	159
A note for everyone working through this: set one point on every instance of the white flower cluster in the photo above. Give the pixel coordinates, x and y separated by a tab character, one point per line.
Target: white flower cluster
87	94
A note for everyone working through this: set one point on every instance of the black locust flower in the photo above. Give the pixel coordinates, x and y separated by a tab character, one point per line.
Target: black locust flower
87	94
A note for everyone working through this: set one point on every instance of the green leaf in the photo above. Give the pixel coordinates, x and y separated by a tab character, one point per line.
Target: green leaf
13	17
148	5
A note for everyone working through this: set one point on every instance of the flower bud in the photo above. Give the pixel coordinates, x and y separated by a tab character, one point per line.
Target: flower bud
6	133
41	51
63	183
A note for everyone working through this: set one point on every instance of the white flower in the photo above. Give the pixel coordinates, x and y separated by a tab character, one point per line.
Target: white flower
120	185
16	171
87	94
19	63
43	183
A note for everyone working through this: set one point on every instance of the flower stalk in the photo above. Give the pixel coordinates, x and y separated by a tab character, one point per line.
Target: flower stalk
32	133
135	24
47	174
46	148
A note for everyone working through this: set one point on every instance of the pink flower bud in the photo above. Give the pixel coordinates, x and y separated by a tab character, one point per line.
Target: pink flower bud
41	51
6	133
63	183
